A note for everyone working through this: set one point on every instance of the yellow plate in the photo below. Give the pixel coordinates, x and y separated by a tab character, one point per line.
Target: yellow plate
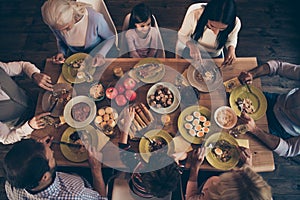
181	121
72	153
152	79
66	69
211	157
156	133
257	97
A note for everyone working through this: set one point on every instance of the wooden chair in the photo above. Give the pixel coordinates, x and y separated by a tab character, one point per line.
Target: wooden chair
100	6
179	45
123	43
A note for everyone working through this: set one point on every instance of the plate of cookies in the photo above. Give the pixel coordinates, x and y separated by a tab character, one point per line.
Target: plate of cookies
106	119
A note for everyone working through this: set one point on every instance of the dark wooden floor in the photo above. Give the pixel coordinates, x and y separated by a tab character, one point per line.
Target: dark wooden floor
270	30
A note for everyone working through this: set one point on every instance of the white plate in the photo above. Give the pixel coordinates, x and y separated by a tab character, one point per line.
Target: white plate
68	115
175	104
231	114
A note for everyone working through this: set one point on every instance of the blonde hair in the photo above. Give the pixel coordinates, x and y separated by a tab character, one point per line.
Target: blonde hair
61	12
242	184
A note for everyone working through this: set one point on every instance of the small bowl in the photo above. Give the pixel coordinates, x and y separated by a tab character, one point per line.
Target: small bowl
225	117
92	94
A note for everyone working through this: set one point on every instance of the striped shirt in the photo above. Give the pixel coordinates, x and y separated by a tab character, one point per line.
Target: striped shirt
65	186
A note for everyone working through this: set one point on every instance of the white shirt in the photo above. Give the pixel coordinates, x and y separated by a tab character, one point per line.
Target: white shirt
14	69
76	36
11	135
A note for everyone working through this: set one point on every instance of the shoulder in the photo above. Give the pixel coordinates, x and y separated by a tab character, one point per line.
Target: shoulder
196	14
94	15
130	33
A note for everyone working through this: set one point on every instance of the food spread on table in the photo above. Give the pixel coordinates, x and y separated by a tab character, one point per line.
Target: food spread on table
106	119
96	91
245	105
80	111
142	119
162	97
223	150
196	124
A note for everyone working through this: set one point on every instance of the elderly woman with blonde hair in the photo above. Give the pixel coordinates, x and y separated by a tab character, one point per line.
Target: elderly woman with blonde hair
238	184
77	28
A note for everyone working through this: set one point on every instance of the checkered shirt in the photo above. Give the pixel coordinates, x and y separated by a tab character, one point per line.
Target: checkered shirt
65	186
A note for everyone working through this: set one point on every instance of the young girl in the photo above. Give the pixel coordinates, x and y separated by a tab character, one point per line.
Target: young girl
213	27
142	38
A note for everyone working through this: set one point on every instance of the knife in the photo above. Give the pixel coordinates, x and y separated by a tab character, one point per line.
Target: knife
53	105
68	144
248	87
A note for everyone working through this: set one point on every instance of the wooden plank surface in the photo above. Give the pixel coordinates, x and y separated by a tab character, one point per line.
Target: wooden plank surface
262	157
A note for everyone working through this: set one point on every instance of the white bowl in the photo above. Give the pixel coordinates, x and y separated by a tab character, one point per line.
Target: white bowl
225	117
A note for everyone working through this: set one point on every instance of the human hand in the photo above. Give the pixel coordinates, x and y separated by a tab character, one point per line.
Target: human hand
229	57
128	118
37	122
198	156
95	157
43	80
194	51
98	60
47	140
245	156
58	58
245	77
249	121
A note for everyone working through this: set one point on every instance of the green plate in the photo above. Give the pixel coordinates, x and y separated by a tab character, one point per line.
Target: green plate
72	153
257	97
156	133
181	121
155	77
67	70
211	157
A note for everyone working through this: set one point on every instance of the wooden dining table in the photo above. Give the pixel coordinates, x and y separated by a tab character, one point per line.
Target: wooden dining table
263	160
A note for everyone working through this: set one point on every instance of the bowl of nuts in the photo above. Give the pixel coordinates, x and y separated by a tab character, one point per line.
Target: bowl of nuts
163	98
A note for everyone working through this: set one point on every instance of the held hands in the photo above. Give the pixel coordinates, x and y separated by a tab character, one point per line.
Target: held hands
246	119
58	58
198	156
43	81
128	118
245	77
95	157
245	156
194	51
37	122
230	56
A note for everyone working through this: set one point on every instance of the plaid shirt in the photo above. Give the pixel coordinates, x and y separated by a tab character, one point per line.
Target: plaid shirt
65	186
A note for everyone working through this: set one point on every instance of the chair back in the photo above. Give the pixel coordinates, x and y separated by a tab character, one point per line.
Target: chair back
123	41
100	6
121	189
179	45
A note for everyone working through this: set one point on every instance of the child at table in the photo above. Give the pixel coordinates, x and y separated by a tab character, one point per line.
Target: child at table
142	38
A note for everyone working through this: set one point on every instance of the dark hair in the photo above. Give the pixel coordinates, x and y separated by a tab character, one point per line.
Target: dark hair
139	14
25	164
162	181
223	11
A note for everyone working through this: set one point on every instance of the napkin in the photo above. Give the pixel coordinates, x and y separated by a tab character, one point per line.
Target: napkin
243	142
181	145
102	140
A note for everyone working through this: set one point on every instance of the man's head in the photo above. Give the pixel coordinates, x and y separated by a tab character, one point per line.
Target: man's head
29	165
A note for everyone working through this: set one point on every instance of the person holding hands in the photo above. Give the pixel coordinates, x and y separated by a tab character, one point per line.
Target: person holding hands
283	110
16	107
242	183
